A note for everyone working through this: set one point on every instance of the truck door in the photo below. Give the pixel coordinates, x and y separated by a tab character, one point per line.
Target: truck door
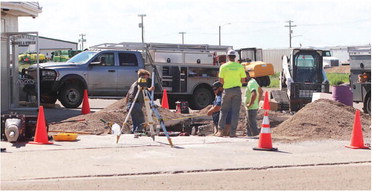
102	74
127	71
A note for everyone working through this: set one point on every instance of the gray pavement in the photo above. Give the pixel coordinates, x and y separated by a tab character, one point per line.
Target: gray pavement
93	156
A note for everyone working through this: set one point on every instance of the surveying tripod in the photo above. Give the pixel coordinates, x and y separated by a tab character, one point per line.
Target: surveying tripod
150	109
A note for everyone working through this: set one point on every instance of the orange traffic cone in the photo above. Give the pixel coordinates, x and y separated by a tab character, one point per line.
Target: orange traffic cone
41	135
357	141
264	143
266	105
86	107
164	100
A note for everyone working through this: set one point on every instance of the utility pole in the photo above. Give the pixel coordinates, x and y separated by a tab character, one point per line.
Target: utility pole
82	40
219	35
182	33
290	31
141	26
219	32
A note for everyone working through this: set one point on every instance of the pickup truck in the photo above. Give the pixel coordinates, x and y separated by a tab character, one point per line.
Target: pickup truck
103	73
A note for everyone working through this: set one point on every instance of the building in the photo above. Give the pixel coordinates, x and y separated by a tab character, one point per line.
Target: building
48	45
11	40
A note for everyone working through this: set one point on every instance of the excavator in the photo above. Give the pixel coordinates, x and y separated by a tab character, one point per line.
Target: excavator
302	75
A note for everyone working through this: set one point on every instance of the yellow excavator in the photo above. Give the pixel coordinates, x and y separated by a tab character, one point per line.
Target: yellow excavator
251	59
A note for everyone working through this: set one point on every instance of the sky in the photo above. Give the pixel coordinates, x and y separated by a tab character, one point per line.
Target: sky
253	23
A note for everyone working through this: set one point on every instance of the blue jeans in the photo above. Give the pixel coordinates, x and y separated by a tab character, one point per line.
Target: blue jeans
138	118
231	100
252	122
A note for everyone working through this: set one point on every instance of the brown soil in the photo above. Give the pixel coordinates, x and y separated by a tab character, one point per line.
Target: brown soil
115	113
338	69
322	119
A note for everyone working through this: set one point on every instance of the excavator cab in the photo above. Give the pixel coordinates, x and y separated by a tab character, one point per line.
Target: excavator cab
302	75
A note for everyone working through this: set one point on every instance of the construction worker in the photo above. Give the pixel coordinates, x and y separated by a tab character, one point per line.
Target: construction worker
215	110
137	115
231	75
252	97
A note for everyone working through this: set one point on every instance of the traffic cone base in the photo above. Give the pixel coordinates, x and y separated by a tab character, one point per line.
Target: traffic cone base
357	141
41	135
264	149
264	142
357	147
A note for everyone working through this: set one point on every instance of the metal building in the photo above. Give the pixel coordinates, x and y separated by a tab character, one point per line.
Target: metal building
48	45
274	56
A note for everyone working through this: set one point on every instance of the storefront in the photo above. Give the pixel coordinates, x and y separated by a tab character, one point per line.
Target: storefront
13	95
19	85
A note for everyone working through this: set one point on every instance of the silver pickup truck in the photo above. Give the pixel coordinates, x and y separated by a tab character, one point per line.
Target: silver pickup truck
103	73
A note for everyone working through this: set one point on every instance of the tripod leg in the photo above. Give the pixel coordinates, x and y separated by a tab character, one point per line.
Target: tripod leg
157	114
127	117
150	120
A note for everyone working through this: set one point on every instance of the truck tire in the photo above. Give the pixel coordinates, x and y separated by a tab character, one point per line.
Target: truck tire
48	99
71	96
201	98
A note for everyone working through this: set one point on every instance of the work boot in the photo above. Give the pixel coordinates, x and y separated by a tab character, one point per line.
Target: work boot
227	130
219	133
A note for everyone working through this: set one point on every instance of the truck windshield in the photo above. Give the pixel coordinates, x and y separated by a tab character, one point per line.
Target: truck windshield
82	57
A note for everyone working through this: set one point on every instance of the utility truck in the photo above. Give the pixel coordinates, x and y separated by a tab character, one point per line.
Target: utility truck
360	75
186	71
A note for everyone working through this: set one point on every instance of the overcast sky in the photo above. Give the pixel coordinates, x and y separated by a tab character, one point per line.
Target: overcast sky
254	23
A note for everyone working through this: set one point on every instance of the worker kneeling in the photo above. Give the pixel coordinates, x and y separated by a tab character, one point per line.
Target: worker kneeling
215	110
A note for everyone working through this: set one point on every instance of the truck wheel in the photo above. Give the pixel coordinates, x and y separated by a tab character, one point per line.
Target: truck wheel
48	99
201	98
367	105
71	96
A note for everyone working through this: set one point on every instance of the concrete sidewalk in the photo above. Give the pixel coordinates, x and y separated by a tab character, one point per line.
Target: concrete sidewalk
93	156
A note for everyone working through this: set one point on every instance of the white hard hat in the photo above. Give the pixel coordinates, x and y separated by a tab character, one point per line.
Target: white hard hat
231	53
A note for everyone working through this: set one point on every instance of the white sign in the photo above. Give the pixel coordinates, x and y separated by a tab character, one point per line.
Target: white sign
23	40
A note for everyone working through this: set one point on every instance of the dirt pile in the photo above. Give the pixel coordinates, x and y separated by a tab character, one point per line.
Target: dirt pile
114	113
276	118
322	119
